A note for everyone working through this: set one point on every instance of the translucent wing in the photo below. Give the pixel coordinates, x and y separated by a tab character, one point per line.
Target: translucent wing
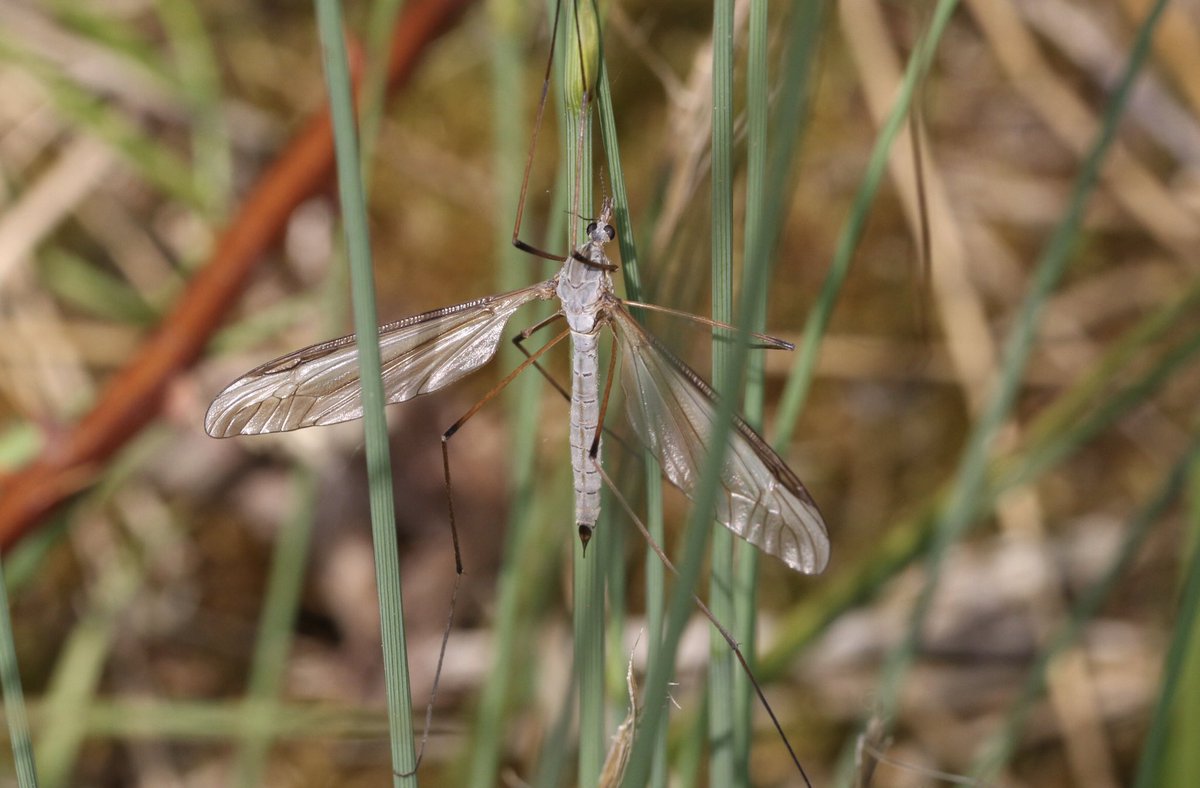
319	384
673	411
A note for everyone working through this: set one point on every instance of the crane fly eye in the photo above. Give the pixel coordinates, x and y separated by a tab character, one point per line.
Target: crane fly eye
591	228
610	232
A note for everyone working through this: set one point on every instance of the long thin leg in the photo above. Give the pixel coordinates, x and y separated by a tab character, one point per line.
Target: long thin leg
456	426
610	267
537	126
526	334
769	342
662	556
458	564
594	451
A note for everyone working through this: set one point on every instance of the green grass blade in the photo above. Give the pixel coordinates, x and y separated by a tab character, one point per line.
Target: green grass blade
656	596
383	514
971	479
721	706
767	192
14	698
699	525
557	747
1180	656
274	637
652	475
800	378
199	78
999	749
589	573
745	588
1053	438
93	290
1183	758
152	160
373	95
528	542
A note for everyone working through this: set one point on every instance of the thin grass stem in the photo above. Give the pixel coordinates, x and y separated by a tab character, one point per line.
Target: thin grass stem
199	78
274	637
578	67
1170	700
721	706
998	750
652	475
745	589
971	480
154	161
699	526
373	94
520	399
1051	439
800	377
14	697
383	514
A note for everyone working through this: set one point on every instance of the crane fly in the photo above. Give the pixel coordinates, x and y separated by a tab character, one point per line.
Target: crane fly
671	408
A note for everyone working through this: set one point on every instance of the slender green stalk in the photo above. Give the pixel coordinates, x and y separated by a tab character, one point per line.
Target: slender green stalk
1150	767
631	274
200	81
274	640
698	529
116	33
93	288
557	746
721	707
1052	439
689	761
800	378
80	667
767	193
373	95
746	579
1183	758
579	64
656	596
383	514
14	698
153	160
522	541
996	753
616	583
971	480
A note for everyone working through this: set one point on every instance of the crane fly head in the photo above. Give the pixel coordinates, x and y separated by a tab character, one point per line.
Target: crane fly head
601	231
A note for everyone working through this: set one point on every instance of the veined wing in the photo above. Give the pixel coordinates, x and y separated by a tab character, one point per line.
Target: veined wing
673	411
319	384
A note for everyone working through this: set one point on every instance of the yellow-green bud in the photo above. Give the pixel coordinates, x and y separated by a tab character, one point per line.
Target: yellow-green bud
582	52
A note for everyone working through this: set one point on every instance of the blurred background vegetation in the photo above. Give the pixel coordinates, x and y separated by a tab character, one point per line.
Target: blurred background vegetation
203	612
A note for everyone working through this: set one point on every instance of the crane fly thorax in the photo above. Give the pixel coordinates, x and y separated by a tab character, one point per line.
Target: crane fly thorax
582	288
584	282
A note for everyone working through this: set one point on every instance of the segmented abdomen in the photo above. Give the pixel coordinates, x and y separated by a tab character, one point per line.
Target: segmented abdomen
585	415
